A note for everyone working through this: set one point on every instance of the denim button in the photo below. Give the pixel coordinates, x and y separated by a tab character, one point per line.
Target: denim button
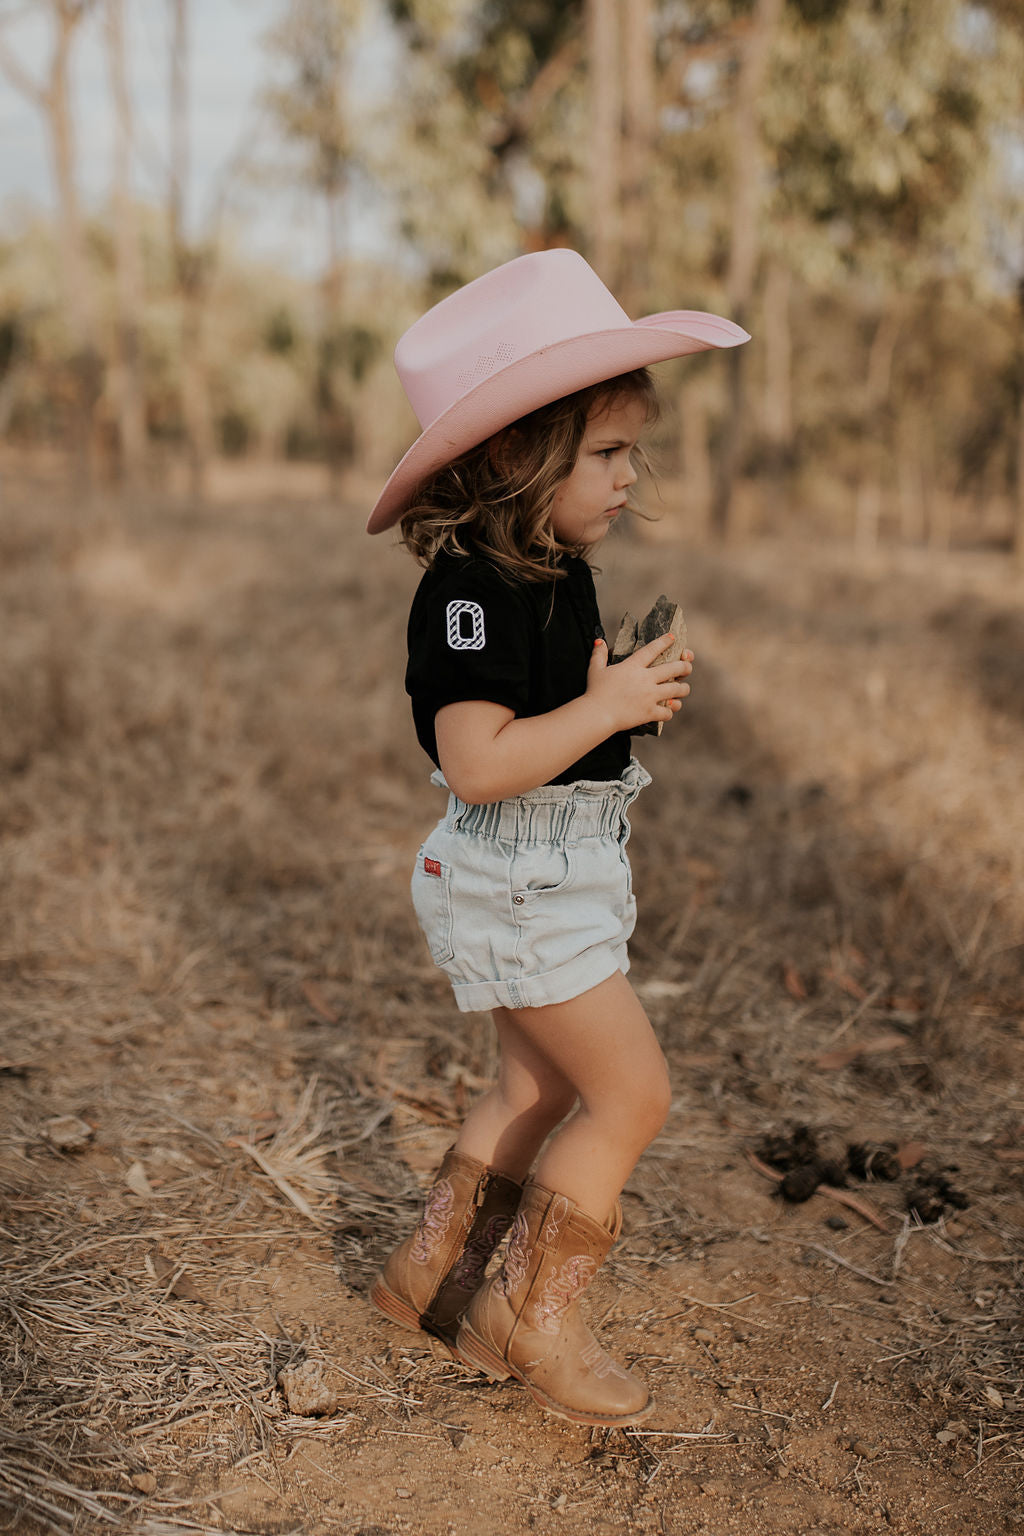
518	899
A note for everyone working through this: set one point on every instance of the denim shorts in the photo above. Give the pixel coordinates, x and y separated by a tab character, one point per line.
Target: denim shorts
529	901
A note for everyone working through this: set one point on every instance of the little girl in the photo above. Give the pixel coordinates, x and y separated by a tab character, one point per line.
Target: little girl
531	388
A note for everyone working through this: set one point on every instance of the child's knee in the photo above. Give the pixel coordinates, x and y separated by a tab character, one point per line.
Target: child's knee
661	1098
652	1102
559	1099
546	1101
555	1101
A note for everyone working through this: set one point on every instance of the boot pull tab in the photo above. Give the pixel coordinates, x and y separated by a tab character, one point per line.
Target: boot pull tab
555	1220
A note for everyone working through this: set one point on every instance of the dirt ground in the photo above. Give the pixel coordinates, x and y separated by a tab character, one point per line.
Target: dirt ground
227	1065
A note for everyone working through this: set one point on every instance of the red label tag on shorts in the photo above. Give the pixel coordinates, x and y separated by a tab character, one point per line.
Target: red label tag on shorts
431	867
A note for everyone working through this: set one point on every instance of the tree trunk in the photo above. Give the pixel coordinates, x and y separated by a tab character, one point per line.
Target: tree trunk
86	361
192	270
1018	532
179	122
12	359
744	249
909	487
778	361
698	480
732	439
1018	509
603	39
335	419
128	265
777	407
197	409
868	512
880	356
638	131
875	456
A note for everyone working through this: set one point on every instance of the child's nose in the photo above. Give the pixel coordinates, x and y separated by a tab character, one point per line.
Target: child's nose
627	474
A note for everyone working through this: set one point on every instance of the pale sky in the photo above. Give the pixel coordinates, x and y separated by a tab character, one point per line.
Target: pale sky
229	66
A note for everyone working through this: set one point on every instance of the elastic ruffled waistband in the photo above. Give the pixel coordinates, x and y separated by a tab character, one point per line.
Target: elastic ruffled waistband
555	813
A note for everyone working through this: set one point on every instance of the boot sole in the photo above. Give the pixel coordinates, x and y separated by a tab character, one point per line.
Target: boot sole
595	1420
394	1307
475	1352
398	1311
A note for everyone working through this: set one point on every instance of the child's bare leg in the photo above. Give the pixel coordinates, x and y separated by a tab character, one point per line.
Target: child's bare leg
509	1124
603	1045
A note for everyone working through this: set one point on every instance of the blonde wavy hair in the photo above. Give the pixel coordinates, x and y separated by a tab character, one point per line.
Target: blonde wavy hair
496	499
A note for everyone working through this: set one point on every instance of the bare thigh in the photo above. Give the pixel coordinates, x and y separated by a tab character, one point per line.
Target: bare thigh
525	1071
601	1043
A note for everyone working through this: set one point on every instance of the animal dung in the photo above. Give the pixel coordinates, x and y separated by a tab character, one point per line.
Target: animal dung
808	1158
933	1194
868	1160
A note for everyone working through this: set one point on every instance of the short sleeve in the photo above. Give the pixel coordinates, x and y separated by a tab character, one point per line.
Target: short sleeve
469	638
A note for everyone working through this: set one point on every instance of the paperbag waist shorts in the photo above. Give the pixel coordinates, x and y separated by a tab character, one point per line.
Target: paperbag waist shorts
529	901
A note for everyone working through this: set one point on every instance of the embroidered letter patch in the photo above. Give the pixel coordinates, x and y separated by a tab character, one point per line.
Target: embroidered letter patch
431	867
465	626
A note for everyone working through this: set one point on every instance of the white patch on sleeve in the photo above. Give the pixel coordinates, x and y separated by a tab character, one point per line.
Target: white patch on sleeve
465	626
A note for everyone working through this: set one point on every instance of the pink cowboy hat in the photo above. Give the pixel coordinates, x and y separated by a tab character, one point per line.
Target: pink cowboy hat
513	340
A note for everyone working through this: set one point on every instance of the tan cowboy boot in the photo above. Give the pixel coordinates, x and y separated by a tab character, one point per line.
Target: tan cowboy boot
525	1322
428	1280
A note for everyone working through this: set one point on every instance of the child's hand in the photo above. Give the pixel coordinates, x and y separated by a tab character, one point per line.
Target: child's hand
639	689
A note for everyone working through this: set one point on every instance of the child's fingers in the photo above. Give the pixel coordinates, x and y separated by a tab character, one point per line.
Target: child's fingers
678	691
664	642
665	671
647	658
652	650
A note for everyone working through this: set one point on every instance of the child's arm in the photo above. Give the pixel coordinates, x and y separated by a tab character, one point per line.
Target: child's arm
488	753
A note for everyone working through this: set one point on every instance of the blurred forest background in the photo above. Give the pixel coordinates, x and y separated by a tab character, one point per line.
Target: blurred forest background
844	177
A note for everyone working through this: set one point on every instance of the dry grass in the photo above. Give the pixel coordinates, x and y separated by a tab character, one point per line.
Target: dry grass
211	798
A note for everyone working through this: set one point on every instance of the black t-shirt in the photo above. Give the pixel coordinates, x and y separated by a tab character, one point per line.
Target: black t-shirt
476	633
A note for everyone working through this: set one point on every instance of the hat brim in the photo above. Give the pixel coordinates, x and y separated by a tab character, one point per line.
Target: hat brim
536	380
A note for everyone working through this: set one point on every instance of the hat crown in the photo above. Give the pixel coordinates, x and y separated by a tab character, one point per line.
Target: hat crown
512	312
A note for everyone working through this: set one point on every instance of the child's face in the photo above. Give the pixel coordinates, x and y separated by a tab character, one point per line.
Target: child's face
591	498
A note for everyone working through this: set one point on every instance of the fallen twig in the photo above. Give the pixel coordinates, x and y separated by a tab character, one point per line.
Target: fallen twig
853	1202
837	1258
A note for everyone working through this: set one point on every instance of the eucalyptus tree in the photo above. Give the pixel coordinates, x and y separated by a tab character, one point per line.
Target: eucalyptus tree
314	49
52	96
740	154
1011	13
128	385
193	258
484	150
883	119
746	178
521	125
